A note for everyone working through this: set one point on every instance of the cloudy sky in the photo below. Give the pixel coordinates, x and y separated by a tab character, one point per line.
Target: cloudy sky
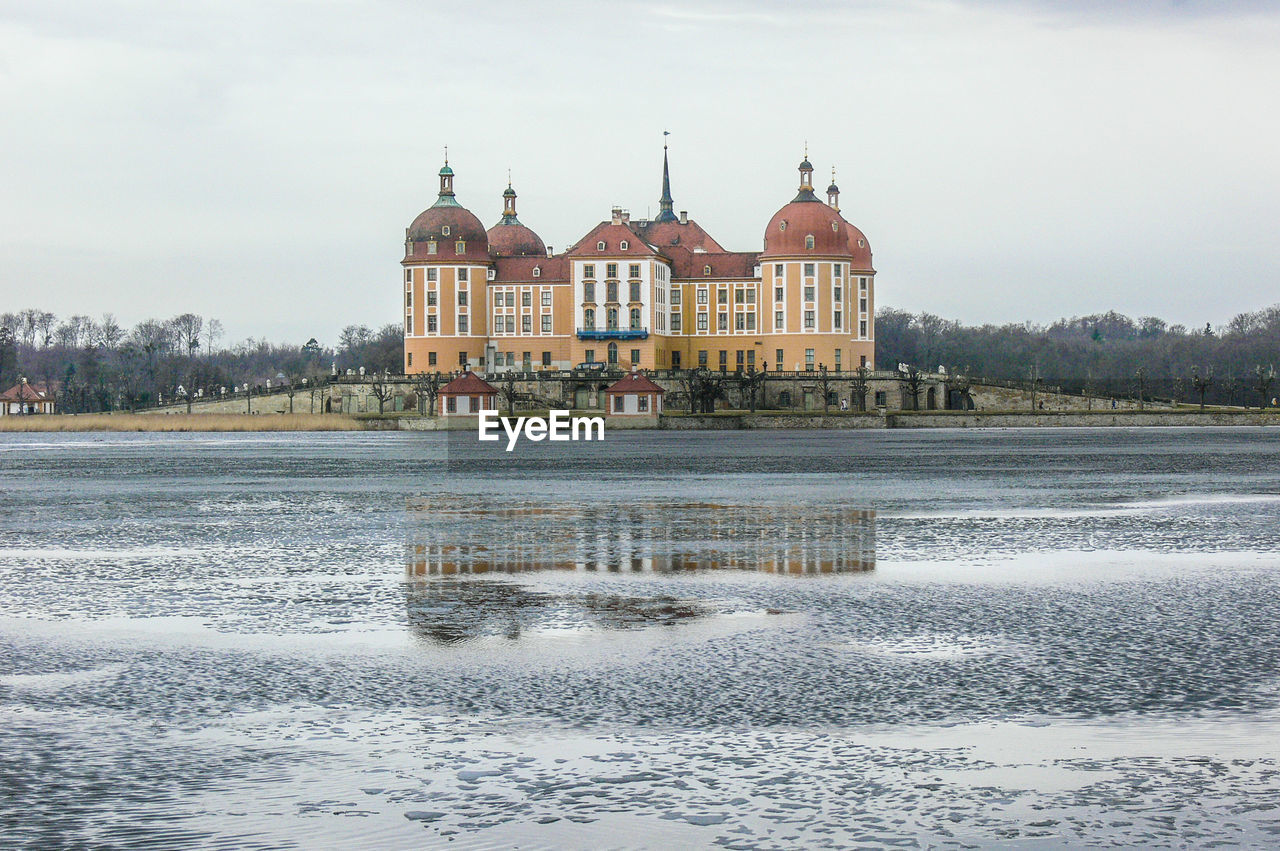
259	161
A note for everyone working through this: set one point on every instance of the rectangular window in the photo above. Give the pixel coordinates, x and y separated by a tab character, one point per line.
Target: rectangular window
635	357
777	320
724	360
499	324
526	298
611	270
431	298
808	319
451	402
432	274
808	270
778	360
408	298
462	297
635	270
526	324
702	295
808	293
675	295
839	269
702	321
862	329
431	247
751	296
635	290
460	247
862	284
589	270
808	358
740	322
431	358
408	276
462	358
836	294
862	305
410	359
431	324
675	322
777	294
546	298
611	291
836	320
702	357
722	323
675	360
723	297
589	291
463	274
751	357
751	322
838	353
462	324
777	270
741	355
546	358
497	299
590	355
642	403
546	323
408	325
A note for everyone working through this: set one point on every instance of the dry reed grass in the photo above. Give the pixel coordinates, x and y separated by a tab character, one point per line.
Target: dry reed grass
180	422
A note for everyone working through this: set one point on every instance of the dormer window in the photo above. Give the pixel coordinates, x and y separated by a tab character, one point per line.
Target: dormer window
491	274
782	225
444	231
431	246
808	242
408	248
537	271
623	246
460	247
706	270
835	227
600	245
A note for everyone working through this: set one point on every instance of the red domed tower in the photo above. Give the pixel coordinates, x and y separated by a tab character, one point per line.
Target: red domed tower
446	266
816	270
510	238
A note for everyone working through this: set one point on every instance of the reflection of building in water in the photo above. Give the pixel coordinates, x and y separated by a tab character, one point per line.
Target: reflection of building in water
452	536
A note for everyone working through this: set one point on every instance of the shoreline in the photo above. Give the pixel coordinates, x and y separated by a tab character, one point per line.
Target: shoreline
720	421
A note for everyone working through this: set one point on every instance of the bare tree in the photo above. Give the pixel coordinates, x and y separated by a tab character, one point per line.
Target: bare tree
914	380
1201	383
508	391
1263	382
426	387
382	389
824	387
751	383
860	386
1140	382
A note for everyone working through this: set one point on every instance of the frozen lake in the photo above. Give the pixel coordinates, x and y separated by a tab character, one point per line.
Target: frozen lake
747	640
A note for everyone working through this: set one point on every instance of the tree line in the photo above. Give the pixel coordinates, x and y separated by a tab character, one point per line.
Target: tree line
99	365
1105	354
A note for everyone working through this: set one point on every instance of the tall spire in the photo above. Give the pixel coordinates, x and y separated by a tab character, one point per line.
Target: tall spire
665	213
446	198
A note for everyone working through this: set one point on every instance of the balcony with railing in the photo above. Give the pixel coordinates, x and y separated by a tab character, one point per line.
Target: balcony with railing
613	334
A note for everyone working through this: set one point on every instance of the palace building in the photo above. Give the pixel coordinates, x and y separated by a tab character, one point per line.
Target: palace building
653	294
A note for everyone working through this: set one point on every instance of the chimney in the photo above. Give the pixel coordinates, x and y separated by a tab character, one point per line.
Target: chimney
684	217
550	251
616	214
626	216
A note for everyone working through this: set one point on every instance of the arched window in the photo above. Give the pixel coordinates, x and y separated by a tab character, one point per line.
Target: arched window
808	242
782	225
706	270
537	271
613	319
444	231
600	245
460	247
635	319
589	319
613	354
624	245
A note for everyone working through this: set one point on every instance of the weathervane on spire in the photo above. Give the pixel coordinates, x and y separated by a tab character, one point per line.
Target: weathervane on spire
446	154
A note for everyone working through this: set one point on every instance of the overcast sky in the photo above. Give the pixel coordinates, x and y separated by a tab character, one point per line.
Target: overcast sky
258	161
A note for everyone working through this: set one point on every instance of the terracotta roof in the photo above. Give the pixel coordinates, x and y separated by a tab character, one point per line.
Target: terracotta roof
690	235
513	239
462	224
552	270
612	236
859	249
787	230
467	384
24	392
738	265
635	382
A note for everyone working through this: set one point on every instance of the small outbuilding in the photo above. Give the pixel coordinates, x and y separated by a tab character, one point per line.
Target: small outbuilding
467	394
634	396
26	398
